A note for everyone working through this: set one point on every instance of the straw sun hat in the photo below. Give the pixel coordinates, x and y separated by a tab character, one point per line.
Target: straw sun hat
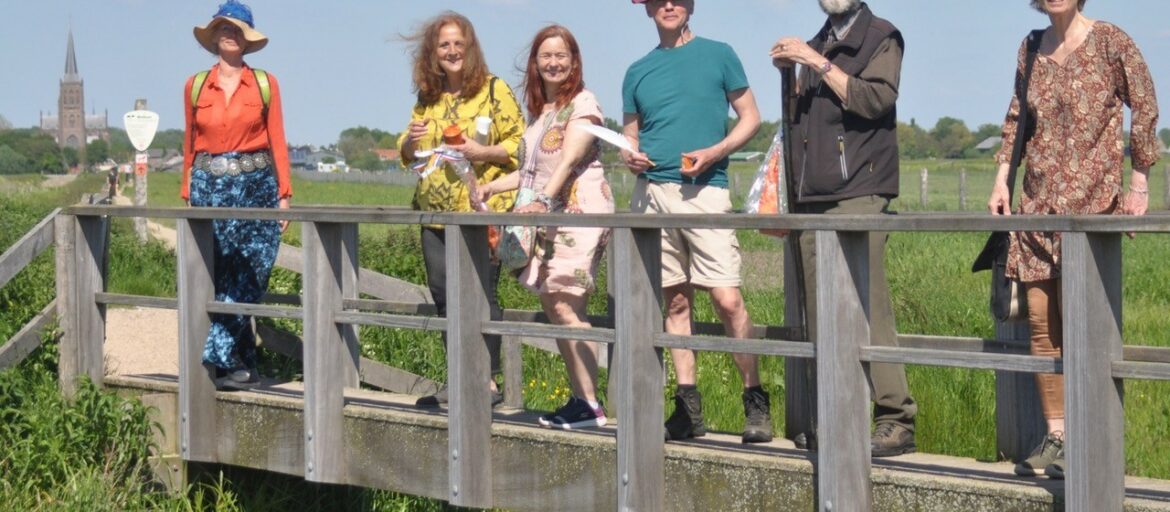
237	14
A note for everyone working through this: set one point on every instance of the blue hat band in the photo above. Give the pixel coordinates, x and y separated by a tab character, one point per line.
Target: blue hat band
235	10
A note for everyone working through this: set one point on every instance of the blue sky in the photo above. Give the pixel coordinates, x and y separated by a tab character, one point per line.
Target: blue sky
341	62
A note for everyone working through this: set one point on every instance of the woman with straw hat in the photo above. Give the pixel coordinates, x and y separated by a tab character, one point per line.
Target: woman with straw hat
236	156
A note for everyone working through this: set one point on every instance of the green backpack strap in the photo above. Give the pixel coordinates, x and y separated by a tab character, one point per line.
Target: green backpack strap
197	86
261	81
265	88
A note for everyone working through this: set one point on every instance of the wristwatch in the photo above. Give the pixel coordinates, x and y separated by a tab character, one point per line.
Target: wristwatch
826	67
548	202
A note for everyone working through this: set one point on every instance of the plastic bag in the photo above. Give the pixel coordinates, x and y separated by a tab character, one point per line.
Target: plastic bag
769	192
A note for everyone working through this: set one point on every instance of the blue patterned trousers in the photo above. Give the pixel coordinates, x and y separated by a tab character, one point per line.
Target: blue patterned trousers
245	251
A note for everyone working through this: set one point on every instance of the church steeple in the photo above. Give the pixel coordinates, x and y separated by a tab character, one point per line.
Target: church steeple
71	74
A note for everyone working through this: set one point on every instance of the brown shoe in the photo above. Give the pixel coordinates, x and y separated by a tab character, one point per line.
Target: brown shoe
890	439
757	427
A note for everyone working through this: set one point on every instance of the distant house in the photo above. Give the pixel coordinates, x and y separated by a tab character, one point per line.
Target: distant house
164	160
338	166
989	144
387	155
298	156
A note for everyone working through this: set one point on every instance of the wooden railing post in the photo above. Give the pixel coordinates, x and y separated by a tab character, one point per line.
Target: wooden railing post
800	385
638	322
612	397
1019	422
843	455
331	350
80	263
468	368
963	189
197	413
512	353
1095	438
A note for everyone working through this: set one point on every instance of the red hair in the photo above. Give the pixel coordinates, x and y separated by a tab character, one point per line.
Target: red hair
428	76
534	86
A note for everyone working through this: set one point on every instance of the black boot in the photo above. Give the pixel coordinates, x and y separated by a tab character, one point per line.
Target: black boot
687	419
757	427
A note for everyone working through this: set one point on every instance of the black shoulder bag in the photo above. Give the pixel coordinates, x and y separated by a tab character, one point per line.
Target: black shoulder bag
1006	294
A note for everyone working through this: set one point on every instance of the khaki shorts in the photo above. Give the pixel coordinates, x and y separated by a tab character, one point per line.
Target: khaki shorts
708	258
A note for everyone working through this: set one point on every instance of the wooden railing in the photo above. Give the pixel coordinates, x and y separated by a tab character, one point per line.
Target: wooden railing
1097	362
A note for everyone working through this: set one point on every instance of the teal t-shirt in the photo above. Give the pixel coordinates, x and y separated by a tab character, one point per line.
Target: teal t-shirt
681	94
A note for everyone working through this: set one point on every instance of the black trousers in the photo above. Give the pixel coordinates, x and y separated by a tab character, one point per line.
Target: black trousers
434	245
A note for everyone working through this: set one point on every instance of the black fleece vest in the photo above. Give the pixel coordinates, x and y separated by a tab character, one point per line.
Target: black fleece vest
840	155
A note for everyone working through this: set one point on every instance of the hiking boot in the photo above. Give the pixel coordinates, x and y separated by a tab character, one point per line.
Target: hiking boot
236	379
890	439
1056	469
440	399
1050	450
806	441
575	414
758	426
687	419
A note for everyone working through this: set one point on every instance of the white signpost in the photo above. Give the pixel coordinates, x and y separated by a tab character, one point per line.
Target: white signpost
141	125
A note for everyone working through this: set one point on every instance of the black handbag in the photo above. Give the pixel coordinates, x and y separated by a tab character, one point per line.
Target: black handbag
1007	294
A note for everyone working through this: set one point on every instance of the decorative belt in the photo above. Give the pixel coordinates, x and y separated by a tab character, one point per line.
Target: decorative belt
232	164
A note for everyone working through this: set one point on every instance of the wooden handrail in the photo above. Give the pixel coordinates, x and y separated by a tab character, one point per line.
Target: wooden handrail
1157	222
1095	359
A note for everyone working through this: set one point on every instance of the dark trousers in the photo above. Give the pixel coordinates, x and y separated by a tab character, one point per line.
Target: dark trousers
434	245
891	393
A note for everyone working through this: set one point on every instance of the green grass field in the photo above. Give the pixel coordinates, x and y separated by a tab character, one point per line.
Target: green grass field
934	293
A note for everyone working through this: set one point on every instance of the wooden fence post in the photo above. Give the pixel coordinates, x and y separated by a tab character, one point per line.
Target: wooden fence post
330	350
638	320
800	384
1019	422
468	368
924	189
197	415
1166	187
843	452
963	189
80	263
1095	435
511	350
612	396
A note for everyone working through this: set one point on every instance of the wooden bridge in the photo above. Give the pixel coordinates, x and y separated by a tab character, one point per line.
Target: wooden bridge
331	430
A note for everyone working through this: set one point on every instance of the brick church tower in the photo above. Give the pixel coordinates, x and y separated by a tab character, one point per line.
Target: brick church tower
71	104
71	127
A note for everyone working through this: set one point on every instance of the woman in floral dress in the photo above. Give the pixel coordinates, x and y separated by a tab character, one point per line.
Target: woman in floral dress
1085	73
561	167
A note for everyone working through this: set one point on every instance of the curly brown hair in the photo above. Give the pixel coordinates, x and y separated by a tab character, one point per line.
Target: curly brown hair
428	77
1039	5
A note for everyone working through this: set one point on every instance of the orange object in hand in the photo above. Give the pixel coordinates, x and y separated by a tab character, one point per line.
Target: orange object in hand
688	163
452	135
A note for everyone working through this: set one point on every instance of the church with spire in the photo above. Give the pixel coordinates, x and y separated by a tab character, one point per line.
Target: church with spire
72	127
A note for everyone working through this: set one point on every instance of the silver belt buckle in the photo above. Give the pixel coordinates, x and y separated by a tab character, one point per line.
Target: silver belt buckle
218	166
233	167
246	164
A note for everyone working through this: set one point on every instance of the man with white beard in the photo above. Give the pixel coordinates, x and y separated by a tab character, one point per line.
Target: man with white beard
845	154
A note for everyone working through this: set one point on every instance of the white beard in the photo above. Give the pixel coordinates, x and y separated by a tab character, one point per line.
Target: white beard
832	7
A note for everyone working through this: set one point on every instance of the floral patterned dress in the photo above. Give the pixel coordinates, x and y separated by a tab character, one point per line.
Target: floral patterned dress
1076	154
566	259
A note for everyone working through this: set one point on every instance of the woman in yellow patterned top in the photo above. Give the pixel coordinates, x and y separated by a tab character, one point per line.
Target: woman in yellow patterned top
455	88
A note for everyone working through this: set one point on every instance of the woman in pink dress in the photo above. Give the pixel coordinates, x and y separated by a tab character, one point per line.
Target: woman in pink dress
1085	73
560	165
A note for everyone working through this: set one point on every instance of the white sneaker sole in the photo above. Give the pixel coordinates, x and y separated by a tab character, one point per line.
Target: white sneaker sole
596	422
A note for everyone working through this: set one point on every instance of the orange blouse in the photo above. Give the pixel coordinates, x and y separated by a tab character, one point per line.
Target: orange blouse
222	127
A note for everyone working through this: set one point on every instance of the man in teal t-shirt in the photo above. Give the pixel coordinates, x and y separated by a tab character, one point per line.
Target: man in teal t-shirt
675	112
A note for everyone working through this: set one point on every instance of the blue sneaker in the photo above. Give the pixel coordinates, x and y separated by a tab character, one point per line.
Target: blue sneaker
575	414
